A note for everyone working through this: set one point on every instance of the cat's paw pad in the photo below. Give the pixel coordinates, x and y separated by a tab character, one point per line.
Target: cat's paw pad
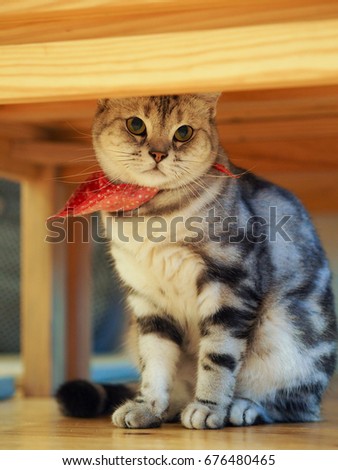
135	415
199	416
244	412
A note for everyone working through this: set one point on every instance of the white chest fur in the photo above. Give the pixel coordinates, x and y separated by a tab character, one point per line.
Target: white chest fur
165	273
164	276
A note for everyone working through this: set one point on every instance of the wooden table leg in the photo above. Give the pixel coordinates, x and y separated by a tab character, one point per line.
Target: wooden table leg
42	287
48	281
78	298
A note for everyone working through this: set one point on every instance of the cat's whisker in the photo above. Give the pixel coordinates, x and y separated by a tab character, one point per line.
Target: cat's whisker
186	190
83	159
189	192
78	131
69	179
87	171
212	195
117	150
199	182
233	159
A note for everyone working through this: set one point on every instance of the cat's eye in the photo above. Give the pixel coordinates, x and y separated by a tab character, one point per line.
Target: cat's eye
136	126
183	133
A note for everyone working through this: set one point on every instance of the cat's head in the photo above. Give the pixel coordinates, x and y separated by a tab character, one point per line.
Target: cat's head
161	141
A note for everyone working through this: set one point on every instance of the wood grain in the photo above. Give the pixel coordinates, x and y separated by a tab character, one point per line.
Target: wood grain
34	423
10	169
39	113
43	286
252	57
51	154
28	21
291	103
288	156
36	285
290	129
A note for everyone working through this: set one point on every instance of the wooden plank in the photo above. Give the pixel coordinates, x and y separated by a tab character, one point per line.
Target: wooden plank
287	129
39	113
11	131
233	106
10	169
284	155
51	154
28	21
253	57
309	102
240	6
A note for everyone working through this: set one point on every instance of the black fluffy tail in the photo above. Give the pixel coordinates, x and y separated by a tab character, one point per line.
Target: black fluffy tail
83	399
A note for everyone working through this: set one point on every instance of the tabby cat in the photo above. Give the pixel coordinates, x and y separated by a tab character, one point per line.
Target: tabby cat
232	316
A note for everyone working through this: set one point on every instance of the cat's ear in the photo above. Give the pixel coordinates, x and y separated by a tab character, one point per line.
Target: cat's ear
211	99
102	105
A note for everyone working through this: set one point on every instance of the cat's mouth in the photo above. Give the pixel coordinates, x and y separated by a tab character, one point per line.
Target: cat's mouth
156	170
155	176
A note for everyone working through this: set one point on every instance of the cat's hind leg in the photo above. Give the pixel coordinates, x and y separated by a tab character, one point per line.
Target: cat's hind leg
294	404
245	412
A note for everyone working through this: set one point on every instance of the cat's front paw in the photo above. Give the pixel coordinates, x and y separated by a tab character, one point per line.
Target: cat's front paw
136	415
199	416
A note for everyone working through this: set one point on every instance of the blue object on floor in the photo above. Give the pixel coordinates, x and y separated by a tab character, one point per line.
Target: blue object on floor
121	372
7	387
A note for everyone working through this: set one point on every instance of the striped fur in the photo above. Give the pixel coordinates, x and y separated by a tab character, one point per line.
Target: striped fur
234	327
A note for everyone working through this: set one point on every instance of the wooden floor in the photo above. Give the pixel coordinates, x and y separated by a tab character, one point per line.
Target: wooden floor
34	423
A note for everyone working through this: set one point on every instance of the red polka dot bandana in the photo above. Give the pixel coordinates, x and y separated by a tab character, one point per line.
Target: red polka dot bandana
98	193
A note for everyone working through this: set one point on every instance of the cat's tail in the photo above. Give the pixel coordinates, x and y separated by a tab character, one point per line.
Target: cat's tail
84	399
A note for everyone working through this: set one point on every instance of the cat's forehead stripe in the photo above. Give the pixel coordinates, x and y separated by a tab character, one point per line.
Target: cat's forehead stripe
164	106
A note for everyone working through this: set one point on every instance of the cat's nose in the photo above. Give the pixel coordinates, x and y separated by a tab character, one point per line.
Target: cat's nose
157	156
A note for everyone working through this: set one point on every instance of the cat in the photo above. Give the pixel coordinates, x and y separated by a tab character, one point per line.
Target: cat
232	313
